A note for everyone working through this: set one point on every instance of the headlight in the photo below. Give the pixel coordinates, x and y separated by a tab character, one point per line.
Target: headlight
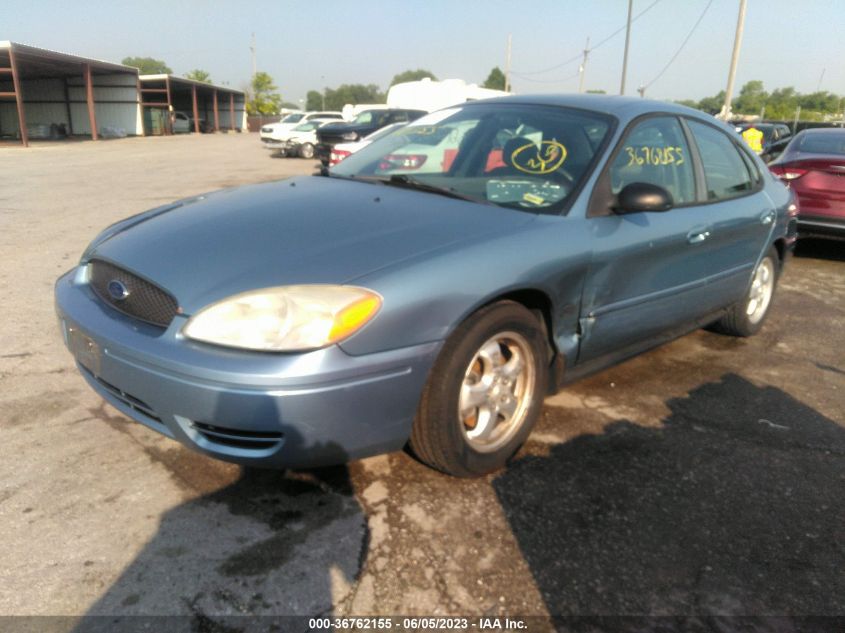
350	136
285	318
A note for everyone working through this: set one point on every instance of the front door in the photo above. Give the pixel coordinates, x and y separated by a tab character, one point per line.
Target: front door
647	271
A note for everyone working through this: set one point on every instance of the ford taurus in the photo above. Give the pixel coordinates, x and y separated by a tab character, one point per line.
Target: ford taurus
430	290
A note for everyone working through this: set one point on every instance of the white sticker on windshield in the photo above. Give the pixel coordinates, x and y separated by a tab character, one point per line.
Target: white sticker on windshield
434	118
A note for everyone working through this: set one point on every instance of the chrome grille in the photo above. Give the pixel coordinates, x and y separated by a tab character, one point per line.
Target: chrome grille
144	300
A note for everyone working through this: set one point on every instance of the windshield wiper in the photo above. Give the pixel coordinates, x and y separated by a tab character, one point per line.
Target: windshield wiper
404	180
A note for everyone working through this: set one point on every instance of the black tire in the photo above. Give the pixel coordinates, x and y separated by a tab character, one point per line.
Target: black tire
440	435
306	150
737	321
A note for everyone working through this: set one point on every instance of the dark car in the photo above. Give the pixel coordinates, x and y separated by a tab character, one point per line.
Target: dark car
813	166
428	303
772	132
364	124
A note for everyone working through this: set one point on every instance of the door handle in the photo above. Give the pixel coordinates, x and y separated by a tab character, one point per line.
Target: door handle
697	237
767	217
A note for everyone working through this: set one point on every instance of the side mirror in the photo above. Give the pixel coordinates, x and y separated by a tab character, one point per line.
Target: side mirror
639	197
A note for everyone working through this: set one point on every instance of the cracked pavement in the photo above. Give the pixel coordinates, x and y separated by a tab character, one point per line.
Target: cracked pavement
704	477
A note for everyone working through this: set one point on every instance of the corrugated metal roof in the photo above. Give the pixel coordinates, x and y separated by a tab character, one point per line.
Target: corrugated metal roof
185	80
26	49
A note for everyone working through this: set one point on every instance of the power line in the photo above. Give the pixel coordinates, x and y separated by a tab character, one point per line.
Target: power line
578	56
680	48
547	81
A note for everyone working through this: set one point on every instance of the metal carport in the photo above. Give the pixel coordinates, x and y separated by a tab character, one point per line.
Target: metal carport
40	87
219	106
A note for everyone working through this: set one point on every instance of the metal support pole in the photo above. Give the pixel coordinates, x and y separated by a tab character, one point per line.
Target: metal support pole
508	66
582	69
196	109
168	125
67	108
740	24
232	111
89	97
627	42
216	113
18	97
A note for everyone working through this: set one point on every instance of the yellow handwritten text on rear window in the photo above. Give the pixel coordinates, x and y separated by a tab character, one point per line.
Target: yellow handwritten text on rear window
655	156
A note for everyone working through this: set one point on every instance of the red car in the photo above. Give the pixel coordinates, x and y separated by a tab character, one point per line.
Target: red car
813	166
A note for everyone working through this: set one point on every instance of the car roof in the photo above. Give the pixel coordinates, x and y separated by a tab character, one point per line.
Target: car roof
624	108
823	130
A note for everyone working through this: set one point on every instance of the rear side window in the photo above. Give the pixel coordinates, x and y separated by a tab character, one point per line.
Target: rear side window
725	172
655	151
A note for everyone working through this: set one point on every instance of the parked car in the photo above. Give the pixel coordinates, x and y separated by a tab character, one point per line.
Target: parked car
342	150
363	124
278	131
772	132
321	319
299	141
813	166
184	124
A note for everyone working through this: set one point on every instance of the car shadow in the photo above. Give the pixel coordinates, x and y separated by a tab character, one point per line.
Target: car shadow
816	248
267	543
732	507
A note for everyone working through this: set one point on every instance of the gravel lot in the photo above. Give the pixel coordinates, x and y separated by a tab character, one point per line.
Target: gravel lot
705	477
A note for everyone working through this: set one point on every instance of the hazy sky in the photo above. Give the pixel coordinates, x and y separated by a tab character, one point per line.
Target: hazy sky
309	45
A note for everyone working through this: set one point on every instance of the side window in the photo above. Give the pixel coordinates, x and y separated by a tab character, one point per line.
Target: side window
725	172
656	152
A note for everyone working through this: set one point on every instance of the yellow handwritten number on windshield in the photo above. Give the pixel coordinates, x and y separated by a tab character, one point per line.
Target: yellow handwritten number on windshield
539	160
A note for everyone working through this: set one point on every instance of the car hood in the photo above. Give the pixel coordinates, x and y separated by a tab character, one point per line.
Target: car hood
307	230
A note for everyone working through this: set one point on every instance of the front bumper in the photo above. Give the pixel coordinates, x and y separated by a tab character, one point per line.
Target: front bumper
260	409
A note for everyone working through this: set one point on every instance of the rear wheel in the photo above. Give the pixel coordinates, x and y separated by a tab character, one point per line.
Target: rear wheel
484	393
306	150
746	317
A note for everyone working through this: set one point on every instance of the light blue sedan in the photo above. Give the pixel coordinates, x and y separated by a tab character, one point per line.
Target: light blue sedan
430	290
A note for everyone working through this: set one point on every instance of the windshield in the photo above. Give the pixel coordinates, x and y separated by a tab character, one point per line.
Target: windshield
526	157
306	127
367	116
293	118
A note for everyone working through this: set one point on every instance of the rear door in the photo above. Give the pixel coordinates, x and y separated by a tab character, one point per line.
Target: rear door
739	214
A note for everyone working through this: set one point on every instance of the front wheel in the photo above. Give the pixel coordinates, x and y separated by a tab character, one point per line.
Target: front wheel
484	393
746	317
307	150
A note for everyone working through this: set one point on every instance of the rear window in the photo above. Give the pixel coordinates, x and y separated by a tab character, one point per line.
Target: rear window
833	143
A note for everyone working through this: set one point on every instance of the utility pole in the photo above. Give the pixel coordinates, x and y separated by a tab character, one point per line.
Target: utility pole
819	86
583	66
641	90
508	66
625	57
252	50
740	24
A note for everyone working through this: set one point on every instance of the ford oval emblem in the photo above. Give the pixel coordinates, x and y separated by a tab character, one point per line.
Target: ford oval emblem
117	290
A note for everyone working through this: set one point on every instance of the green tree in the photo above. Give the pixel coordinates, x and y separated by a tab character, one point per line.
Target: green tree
495	80
147	65
263	98
712	105
314	100
752	97
690	103
412	75
352	93
597	92
199	75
